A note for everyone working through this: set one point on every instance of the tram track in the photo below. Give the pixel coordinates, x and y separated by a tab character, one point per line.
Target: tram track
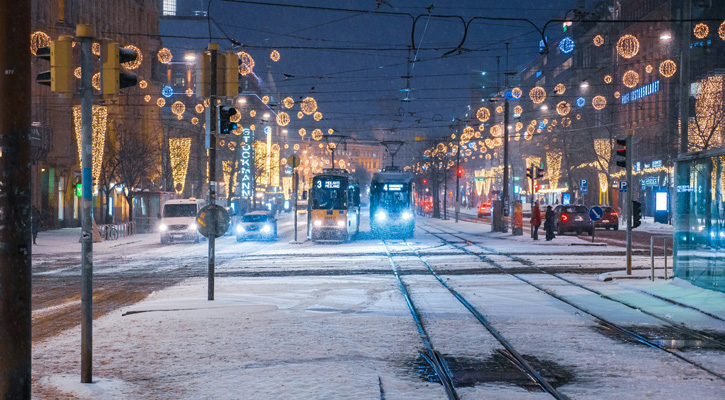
626	332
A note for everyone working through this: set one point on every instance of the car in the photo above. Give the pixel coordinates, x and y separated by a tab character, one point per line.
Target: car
178	220
572	218
256	224
484	209
610	219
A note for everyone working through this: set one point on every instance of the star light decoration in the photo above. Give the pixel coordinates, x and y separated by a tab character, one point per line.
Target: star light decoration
559	89
179	152
701	30
99	122
563	108
178	108
308	106
164	55
630	79
288	102
282	118
628	46
317	116
599	102
274	55
516	93
134	63
598	40
537	95
246	66
38	39
317	134
668	68
483	114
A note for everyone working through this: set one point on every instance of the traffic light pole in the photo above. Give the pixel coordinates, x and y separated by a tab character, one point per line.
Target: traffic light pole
628	201
85	34
15	203
505	197
212	124
458	181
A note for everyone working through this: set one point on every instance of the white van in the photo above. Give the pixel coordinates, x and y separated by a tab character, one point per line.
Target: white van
178	220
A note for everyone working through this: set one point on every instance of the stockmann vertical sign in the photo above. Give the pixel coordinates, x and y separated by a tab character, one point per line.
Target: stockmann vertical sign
246	164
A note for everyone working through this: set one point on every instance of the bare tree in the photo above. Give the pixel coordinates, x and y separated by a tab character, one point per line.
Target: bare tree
107	176
137	159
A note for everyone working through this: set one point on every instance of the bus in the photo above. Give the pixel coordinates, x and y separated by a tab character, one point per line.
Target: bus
333	206
391	203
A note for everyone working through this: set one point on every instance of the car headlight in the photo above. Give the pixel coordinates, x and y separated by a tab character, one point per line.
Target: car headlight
192	227
240	229
163	227
380	216
340	223
266	228
407	215
317	222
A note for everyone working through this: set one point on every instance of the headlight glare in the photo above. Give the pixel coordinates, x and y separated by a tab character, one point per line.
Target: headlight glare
163	227
240	229
380	216
317	222
266	228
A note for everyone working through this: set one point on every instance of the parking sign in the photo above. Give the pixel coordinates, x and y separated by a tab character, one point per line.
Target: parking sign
622	186
583	186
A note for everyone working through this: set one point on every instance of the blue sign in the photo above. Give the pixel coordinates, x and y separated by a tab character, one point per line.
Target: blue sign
167	91
639	93
566	45
566	198
583	186
580	102
622	186
596	213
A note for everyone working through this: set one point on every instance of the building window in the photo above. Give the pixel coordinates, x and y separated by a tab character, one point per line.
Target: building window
169	7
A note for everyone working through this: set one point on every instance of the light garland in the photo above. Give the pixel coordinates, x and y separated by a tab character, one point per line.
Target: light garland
563	108
179	152
282	118
38	39
164	55
559	88
668	68
516	93
607	79
274	55
628	46
598	40
598	102
317	116
99	123
178	108
537	95
288	102
317	134
701	30
308	106
134	63
553	168
483	114
160	102
246	66
630	79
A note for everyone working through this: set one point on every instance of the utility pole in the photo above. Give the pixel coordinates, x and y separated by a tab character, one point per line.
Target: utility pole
628	197
685	75
506	201
458	180
15	202
212	124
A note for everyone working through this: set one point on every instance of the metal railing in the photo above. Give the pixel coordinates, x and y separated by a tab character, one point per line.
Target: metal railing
664	252
114	231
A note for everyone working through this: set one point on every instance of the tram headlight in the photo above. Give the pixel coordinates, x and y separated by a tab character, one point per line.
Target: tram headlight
266	228
407	215
380	216
340	223
317	222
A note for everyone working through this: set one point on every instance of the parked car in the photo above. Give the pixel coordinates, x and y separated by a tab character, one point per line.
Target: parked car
484	209
572	218
256	224
610	219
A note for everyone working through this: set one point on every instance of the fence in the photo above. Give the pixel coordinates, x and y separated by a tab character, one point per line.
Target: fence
114	231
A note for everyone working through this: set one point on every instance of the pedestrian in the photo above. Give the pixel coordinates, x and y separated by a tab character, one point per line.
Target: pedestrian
535	221
35	223
549	223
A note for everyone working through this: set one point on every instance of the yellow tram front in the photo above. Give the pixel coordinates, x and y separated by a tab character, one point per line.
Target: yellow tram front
334	207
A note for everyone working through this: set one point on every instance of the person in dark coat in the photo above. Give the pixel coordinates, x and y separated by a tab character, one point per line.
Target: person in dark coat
535	221
35	223
549	223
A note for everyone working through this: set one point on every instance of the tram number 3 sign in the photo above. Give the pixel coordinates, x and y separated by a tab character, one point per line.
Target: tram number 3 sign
212	220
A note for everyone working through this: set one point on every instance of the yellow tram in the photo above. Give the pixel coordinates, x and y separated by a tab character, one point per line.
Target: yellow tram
333	206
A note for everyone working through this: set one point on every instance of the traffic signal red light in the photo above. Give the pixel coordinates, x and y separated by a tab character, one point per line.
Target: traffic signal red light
622	153
425	181
460	172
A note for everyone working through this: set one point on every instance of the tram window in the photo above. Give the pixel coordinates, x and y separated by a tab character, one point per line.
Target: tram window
329	199
394	199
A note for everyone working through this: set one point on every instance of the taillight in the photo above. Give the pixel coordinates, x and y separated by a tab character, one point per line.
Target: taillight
614	213
564	217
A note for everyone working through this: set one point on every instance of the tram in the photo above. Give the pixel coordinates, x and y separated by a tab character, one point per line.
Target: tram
333	206
391	203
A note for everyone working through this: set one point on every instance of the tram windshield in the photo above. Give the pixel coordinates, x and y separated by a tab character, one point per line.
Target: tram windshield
329	194
394	201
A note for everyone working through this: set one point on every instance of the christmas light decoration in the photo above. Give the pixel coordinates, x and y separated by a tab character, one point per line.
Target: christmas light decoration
135	63
477	134
580	102
236	117
598	40
99	122
38	39
559	88
189	92
265	99
142	84
483	114
96	81
578	116
164	55
178	108
246	66
603	182
496	131
288	102
706	129
317	116
499	109
563	108
668	68
194	120
617	95
566	45
199	108
518	136
302	133
317	134
274	55
648	68
206	102
607	79
239	130
518	110
519	125
252	127
252	113
282	118
628	46
566	122
721	31
598	102
296	146
180	117
330	131
96	49
77	72
179	151
553	168
537	95
300	114
516	93
147	98
468	131
308	106
160	102
630	79
701	30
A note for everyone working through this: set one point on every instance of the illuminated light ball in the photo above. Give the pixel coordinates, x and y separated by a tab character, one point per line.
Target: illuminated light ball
317	116
496	131
549	129
96	81
236	117
630	79
302	133
553	123
330	131
222	142
607	78
252	113
499	109
481	127
537	95
648	68
580	102
578	116
668	68
206	102
599	102
164	55
288	102
518	136
331	146
180	117
628	46
199	108
283	161
617	95
545	121
477	135
265	99
296	147
38	39
566	45
160	102
701	30
566	122
143	84
518	110
453	136
533	122
189	92
721	31
483	114
275	147
167	91
559	89
247	63
239	130
178	108
96	48
516	93
147	98
518	126
488	156
320	146
563	108
274	55
300	114
598	40
139	57
282	118
539	131
195	121
77	72
308	106
498	142
252	127
286	146
232	145
468	131
317	134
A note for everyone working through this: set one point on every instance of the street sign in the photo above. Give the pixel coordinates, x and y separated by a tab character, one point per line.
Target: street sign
596	213
293	161
622	186
583	186
212	220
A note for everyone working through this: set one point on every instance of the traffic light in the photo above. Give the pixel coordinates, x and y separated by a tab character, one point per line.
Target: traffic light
60	55
530	172
460	172
203	77
636	214
112	79
540	173
622	152
231	74
425	181
225	125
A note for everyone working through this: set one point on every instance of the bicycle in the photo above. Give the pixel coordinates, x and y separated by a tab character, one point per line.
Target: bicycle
108	232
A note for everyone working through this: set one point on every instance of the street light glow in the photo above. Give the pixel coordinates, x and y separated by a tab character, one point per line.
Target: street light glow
665	36
584	85
189	57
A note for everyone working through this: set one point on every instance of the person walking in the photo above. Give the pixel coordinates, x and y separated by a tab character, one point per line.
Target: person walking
549	224
535	221
35	223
